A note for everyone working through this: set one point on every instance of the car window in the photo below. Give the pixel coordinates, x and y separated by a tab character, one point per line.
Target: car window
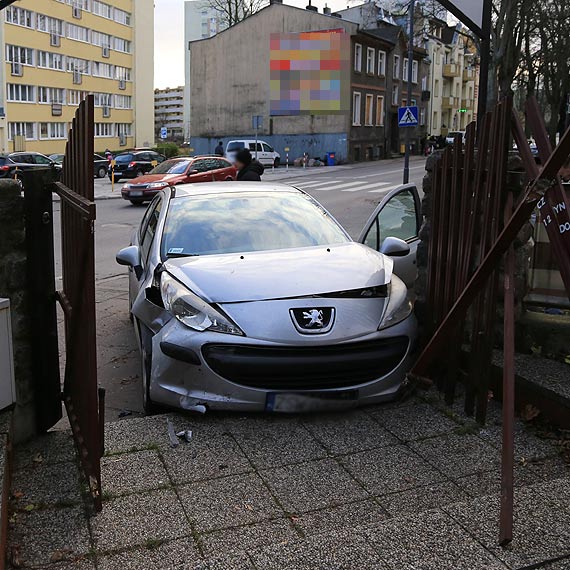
398	217
252	147
150	230
222	163
23	158
143	156
206	225
124	158
267	148
171	167
235	145
200	165
372	238
40	159
3	160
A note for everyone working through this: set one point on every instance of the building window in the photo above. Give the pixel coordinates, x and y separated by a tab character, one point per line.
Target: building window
102	9
20	93
434	125
51	95
379	111
103	130
414	71
124	129
78	64
436	88
79	33
103	99
370	53
123	102
122	45
123	73
19	54
422	116
396	70
356	99
49	60
122	17
27	130
382	63
369	110
357	57
53	131
101	69
74	97
395	95
50	25
19	17
424	83
100	39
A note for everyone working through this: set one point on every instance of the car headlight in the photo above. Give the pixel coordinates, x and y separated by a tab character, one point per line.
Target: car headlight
193	311
400	303
157	185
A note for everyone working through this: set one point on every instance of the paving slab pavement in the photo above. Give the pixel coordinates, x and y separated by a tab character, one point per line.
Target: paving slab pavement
406	486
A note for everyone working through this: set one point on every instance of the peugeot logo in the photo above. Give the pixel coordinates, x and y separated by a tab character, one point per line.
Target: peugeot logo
313	320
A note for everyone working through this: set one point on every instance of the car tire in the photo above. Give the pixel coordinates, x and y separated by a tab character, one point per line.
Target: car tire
138	173
149	406
136	202
101	172
277	162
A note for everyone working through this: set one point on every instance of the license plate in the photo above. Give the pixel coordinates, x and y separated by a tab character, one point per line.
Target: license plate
308	402
136	193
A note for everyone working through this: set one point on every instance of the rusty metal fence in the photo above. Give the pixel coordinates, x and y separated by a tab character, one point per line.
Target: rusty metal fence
475	220
83	401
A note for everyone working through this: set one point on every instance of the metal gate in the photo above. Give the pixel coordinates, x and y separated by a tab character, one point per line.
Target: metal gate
83	401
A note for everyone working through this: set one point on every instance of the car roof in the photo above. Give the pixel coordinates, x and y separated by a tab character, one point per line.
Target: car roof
232	187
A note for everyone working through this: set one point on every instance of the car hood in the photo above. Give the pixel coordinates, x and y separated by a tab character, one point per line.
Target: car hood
282	274
169	178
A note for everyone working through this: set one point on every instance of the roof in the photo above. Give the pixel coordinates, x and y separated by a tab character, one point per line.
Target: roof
213	188
447	34
387	32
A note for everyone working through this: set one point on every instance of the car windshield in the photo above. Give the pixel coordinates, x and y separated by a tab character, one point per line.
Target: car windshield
246	222
124	157
235	145
171	167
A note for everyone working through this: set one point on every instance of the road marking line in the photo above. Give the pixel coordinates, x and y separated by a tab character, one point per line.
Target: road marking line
366	187
315	184
381	173
384	190
346	185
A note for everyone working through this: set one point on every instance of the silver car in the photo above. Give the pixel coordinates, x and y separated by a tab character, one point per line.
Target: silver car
252	297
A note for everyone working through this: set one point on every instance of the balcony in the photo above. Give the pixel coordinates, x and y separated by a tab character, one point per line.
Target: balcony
467	104
451	70
450	102
468	75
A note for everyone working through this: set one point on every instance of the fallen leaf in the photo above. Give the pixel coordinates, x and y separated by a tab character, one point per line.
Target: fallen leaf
38	458
529	413
59	555
30	507
17	494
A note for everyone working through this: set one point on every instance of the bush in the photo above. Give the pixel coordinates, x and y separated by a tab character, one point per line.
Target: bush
167	149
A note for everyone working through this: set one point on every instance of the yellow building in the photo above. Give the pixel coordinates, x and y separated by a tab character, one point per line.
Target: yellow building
55	52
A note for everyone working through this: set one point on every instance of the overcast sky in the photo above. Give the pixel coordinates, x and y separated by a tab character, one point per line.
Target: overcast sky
169	38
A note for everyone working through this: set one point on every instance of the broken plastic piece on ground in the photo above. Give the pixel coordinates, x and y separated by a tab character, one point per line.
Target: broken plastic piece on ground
172	434
192	405
186	434
125	413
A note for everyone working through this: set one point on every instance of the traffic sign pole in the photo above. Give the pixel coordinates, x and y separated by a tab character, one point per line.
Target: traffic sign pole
409	101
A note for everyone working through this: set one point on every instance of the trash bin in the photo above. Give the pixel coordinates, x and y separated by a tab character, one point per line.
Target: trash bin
331	159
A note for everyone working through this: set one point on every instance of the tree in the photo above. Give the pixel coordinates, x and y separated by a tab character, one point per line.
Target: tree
232	12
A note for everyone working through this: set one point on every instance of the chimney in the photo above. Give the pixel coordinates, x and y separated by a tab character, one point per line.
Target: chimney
327	10
311	7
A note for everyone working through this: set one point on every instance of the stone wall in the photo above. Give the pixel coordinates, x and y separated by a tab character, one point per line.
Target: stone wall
13	278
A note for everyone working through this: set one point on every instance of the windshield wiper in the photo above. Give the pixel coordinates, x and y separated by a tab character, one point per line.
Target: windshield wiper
172	255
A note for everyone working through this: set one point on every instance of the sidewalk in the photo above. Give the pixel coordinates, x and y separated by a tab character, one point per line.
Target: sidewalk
405	487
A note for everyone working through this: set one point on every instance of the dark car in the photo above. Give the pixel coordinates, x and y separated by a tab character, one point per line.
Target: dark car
9	168
182	170
36	158
134	163
100	163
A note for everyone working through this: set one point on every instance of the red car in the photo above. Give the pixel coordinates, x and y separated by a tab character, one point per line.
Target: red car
183	170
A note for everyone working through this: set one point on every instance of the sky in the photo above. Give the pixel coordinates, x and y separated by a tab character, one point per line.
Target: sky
169	38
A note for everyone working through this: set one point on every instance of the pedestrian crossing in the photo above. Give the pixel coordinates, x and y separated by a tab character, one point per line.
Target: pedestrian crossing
357	184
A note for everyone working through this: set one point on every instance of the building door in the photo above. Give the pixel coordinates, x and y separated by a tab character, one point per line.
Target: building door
394	134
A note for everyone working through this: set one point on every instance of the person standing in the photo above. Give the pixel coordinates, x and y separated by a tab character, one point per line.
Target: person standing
249	170
219	150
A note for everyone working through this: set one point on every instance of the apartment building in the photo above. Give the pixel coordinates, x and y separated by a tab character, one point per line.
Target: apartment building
55	52
169	112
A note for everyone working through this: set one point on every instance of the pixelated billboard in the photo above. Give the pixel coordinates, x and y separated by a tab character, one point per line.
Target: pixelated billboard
310	73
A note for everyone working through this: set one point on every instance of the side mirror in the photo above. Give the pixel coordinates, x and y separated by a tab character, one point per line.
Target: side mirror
130	256
394	247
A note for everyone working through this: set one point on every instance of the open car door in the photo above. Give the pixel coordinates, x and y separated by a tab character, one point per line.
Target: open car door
397	216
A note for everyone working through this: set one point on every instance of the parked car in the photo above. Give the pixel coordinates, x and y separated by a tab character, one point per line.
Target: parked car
36	158
134	163
450	138
178	171
265	153
252	297
100	163
9	168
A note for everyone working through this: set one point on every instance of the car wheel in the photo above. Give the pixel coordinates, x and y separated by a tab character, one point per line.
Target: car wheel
102	172
277	162
138	173
146	367
136	202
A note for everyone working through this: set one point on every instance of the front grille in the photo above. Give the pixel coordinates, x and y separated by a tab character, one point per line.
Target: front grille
306	368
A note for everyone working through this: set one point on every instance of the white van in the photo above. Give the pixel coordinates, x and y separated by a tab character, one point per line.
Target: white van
265	152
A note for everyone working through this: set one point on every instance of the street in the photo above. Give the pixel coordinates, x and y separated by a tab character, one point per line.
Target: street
349	192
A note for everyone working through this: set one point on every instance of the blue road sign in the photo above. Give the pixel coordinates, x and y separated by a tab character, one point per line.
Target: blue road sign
163	132
408	117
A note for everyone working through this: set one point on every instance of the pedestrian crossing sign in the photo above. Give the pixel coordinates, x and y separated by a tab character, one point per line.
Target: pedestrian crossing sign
408	117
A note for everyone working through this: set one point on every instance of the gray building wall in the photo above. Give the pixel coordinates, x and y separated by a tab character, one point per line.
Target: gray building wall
229	83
